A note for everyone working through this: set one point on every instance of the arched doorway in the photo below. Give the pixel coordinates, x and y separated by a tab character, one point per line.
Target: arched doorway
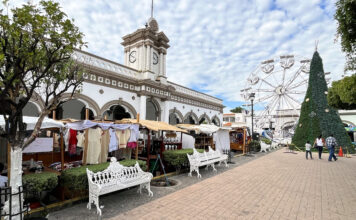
173	119
189	120
30	109
152	111
116	112
74	109
216	122
203	120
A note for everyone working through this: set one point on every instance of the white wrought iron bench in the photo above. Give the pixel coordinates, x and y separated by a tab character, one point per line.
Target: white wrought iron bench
264	146
114	178
209	158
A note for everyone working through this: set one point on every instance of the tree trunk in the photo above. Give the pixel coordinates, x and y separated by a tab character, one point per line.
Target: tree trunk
15	182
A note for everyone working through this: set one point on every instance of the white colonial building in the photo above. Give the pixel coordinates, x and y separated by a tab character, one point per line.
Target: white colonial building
115	91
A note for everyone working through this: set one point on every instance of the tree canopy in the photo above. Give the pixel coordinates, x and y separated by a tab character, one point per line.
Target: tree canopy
36	46
346	18
238	109
342	93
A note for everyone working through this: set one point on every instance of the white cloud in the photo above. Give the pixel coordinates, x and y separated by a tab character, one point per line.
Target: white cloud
215	45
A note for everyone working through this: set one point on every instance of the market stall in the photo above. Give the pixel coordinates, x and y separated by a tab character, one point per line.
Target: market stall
155	138
206	135
238	138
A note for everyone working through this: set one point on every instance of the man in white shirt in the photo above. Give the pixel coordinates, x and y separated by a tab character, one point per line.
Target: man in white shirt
3	179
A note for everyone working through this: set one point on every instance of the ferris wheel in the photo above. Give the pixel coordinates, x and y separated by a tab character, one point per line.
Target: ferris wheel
279	86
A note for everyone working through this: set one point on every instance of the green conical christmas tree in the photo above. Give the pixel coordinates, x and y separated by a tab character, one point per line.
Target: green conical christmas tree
316	116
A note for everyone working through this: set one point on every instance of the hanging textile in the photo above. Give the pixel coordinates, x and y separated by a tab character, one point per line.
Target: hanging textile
105	140
72	141
94	145
123	136
80	139
132	142
66	139
113	140
82	125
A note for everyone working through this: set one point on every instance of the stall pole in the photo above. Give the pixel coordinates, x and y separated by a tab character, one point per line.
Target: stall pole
85	152
136	151
8	162
54	115
244	142
148	148
54	139
86	114
62	152
180	146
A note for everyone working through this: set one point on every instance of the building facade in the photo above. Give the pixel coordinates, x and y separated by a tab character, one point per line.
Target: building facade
114	91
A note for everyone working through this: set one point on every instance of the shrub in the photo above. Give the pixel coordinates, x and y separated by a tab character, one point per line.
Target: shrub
255	146
266	140
178	158
291	146
38	182
76	179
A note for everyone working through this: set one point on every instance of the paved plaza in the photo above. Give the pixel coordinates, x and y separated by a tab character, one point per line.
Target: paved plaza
277	186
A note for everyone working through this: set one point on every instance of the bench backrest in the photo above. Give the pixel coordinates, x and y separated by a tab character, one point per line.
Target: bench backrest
115	172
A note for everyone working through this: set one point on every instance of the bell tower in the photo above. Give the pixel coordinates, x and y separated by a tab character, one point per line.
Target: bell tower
146	50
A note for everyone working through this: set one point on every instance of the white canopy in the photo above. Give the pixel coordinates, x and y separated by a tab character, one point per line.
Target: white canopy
31	123
203	128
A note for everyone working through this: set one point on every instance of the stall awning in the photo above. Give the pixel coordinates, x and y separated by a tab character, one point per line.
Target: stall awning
31	123
203	128
153	125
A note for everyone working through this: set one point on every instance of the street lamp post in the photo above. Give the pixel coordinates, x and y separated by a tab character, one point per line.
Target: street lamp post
252	97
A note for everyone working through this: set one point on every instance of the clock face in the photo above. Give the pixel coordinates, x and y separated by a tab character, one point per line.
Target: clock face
155	58
132	57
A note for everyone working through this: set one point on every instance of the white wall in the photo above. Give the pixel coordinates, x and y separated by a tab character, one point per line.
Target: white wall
110	94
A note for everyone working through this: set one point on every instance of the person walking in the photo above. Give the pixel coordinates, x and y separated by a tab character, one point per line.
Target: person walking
319	142
331	144
308	150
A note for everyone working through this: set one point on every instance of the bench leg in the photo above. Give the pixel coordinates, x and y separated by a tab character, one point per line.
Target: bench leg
148	187
139	190
213	166
192	168
94	199
197	169
226	165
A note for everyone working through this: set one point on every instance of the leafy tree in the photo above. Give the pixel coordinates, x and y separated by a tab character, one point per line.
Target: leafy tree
237	110
342	94
316	116
36	46
346	17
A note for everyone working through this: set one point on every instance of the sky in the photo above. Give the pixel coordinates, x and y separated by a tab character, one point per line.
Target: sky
214	45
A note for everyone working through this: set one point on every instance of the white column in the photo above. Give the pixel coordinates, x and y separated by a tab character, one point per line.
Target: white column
164	65
148	57
160	64
126	61
166	112
143	99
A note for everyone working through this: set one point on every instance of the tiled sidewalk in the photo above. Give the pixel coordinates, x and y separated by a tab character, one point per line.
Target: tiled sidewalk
277	186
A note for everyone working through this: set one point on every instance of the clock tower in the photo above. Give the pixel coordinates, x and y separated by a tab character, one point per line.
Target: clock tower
146	50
